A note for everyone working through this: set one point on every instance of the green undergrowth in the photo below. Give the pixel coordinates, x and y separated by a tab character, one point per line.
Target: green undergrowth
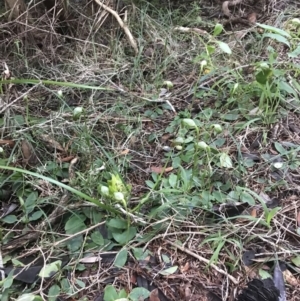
123	175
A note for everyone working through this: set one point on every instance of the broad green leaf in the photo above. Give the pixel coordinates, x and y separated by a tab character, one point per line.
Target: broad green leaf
117	223
296	261
169	271
280	148
264	274
173	180
246	197
29	297
36	215
97	238
75	224
295	53
50	269
139	253
124	237
224	47
121	258
263	76
139	294
80	283
225	161
122	294
75	243
110	293
53	292
278	38
8	281
9	219
218	29
274	29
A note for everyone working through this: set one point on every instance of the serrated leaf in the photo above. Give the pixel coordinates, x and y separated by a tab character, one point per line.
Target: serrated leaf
139	294
225	161
121	258
169	271
50	269
224	47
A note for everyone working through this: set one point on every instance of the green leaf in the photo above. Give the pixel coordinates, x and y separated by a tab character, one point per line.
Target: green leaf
169	271
280	148
9	219
80	283
75	243
122	294
8	281
224	47
225	161
97	238
139	253
50	269
29	297
36	215
121	258
75	224
246	197
139	294
295	53
110	293
173	180
264	274
274	29
263	76
218	29
53	293
296	261
278	38
117	223
124	237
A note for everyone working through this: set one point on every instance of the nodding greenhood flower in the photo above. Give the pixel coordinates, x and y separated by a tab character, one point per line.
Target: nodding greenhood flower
190	123
77	112
179	140
217	128
1	150
104	190
60	93
178	147
203	145
119	197
168	84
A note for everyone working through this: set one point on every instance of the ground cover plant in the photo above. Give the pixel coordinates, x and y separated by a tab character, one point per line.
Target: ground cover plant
149	150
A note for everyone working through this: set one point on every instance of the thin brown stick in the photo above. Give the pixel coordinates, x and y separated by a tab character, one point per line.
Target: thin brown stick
122	24
183	249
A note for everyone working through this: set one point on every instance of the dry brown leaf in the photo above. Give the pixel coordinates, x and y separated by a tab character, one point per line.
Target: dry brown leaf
185	268
66	159
154	295
71	168
160	169
11	143
298	219
290	279
254	212
29	156
124	152
252	18
52	143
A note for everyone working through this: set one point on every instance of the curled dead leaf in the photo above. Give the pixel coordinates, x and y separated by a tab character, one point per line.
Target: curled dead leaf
29	156
252	18
10	143
154	295
160	169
